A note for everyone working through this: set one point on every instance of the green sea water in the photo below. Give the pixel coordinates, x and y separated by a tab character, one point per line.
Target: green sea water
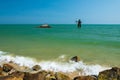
94	43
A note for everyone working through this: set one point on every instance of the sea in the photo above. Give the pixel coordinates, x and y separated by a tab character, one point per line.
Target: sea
97	45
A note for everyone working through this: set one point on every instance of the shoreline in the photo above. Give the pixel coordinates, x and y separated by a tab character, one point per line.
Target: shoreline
57	65
24	68
13	71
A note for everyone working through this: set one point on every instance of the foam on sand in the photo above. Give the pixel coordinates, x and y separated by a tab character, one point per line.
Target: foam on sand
55	66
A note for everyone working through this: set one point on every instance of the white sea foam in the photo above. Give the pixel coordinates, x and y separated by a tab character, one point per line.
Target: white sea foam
56	66
71	67
62	56
1	52
20	60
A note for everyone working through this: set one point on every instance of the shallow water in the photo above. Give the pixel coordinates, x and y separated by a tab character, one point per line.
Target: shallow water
95	44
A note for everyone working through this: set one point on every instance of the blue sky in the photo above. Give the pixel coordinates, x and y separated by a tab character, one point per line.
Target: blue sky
59	11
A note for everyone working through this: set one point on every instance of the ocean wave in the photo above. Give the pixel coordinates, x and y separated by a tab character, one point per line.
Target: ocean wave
55	66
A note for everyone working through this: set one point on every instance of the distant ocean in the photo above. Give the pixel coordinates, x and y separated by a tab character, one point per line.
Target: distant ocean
95	44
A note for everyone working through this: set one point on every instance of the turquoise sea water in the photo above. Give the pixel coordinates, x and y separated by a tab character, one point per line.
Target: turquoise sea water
94	43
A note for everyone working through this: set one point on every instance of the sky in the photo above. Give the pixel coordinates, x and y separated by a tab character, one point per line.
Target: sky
59	11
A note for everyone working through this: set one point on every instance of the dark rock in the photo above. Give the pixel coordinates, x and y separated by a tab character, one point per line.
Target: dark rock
45	26
61	76
7	67
1	69
14	76
85	78
9	78
95	76
75	58
36	67
50	76
111	74
35	76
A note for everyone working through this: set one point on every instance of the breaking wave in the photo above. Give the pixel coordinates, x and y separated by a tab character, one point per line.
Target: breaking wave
55	66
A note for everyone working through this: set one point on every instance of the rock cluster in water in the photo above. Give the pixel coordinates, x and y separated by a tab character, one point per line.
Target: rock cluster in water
45	26
12	71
